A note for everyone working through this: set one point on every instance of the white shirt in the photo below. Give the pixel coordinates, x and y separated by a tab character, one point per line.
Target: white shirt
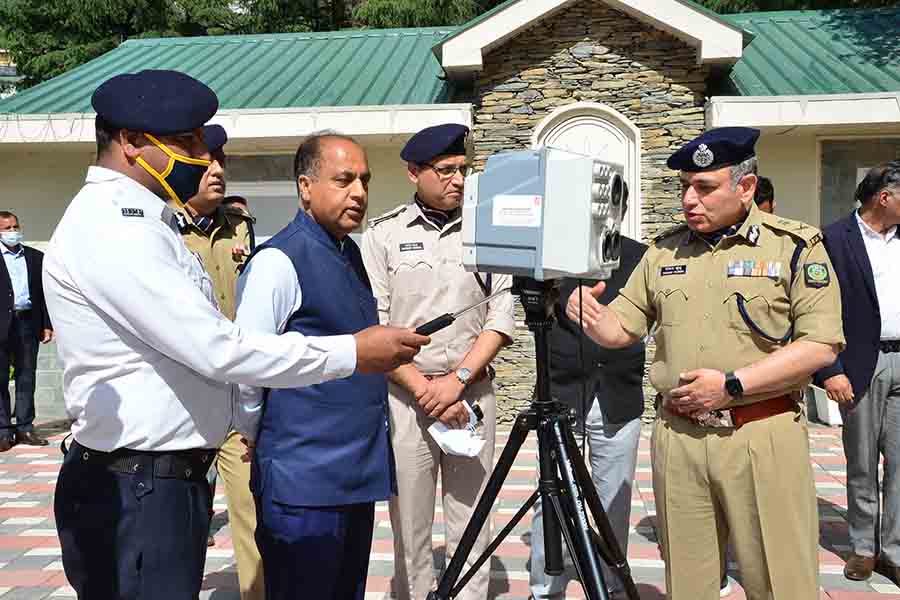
17	268
884	256
146	356
268	293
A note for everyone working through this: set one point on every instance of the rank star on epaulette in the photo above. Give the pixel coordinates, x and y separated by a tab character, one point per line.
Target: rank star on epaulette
753	234
182	222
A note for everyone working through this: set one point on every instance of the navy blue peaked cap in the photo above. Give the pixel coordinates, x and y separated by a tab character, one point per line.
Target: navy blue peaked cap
438	140
214	136
714	149
159	102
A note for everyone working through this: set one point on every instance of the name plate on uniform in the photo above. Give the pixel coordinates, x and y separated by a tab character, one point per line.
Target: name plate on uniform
754	268
411	246
673	270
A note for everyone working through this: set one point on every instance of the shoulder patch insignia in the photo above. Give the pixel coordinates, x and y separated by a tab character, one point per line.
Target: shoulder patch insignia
387	216
132	212
816	275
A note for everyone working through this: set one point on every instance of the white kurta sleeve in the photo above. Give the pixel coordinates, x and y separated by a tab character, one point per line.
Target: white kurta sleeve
142	287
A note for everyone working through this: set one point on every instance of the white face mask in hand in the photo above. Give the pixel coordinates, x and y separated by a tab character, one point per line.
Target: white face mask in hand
11	238
467	441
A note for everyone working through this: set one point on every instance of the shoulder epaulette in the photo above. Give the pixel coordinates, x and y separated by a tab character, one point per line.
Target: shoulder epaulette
237	212
809	234
670	232
231	210
388	215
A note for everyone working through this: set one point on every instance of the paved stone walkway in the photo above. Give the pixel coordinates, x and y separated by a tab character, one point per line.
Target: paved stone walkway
30	564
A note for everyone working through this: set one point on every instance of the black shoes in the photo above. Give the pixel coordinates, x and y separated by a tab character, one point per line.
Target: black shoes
30	438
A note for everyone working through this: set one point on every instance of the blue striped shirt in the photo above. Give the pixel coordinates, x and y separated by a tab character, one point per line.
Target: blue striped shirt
18	275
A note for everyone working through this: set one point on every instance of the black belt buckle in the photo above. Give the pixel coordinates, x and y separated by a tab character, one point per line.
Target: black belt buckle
187	464
889	346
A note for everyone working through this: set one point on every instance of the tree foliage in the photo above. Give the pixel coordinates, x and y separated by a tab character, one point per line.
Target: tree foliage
46	38
414	13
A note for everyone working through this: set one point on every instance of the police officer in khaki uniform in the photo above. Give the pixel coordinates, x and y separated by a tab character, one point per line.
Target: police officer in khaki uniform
747	309
221	237
413	255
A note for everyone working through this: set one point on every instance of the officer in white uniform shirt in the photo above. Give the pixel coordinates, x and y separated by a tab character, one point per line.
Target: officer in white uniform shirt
148	360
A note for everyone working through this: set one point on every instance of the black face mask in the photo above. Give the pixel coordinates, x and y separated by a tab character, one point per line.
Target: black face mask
182	176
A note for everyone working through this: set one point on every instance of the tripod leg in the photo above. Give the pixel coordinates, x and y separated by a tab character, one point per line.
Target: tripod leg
606	542
582	546
482	510
495	544
549	489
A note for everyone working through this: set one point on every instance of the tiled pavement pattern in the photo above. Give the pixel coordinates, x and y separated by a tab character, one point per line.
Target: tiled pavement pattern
30	564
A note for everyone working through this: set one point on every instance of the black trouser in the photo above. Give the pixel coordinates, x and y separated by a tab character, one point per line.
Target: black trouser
20	350
131	536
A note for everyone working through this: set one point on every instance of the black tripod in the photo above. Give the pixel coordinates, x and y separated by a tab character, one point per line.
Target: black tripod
565	484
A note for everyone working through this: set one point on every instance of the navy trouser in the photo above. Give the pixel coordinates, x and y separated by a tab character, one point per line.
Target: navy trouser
130	536
314	552
20	350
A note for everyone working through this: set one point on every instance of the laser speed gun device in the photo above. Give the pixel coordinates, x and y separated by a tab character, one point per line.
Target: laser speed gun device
545	213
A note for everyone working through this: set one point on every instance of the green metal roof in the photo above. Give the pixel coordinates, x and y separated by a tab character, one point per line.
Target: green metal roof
341	68
818	52
793	53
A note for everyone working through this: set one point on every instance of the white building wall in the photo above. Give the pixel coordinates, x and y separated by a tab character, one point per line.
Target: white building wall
37	185
791	163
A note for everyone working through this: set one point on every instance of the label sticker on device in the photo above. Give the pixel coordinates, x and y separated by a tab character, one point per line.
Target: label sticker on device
515	210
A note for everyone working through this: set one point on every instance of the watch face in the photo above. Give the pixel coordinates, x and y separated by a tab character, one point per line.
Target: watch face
463	374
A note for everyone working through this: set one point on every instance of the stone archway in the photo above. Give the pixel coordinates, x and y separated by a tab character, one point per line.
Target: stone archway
597	129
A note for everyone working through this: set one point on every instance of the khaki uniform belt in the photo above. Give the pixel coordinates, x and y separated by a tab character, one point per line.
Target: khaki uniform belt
739	416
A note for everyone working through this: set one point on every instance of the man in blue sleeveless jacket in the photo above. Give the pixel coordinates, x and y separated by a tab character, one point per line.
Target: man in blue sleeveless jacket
322	453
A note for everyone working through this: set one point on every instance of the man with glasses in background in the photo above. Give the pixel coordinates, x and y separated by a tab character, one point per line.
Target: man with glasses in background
413	255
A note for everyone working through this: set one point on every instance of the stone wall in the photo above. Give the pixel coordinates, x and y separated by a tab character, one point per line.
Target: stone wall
590	52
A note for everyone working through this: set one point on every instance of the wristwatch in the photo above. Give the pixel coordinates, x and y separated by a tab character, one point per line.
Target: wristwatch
733	385
463	375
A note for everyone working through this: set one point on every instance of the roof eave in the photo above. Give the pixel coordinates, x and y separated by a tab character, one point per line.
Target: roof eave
268	123
803	111
716	40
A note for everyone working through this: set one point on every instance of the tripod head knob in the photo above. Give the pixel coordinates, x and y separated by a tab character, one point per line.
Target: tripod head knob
537	297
